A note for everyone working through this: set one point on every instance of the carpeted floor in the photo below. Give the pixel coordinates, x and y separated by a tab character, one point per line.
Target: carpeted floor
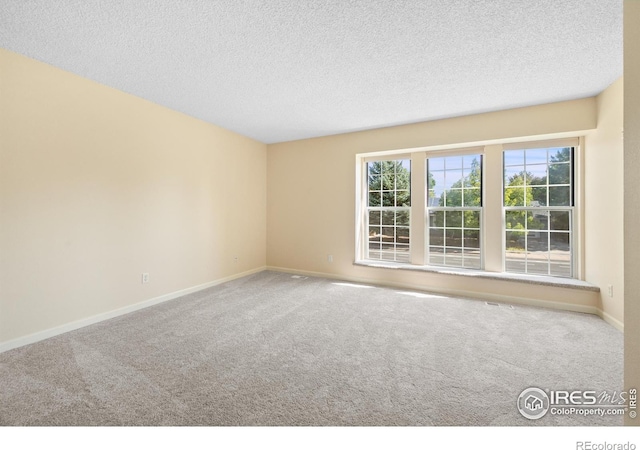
270	349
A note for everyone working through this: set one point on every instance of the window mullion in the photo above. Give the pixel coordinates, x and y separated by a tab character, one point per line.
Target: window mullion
493	216
418	230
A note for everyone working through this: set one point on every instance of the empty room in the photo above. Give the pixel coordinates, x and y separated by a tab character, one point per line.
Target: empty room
319	213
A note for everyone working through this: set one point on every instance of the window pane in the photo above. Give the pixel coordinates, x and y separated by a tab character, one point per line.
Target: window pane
453	162
559	196
537	196
388	250
436	236
453	219
514	158
403	198
536	156
453	179
515	196
374	234
374	198
560	269
403	179
436	255
559	220
388	199
514	176
472	238
403	218
515	264
538	252
388	217
472	219
515	241
437	218
472	262
560	254
537	220
560	154
471	161
436	185
471	177
515	220
435	164
402	235
453	238
374	251
403	254
471	197
374	217
560	174
388	181
453	257
538	243
453	198
537	267
374	182
537	174
560	242
387	234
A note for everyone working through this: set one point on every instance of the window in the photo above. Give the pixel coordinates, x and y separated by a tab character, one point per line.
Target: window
498	208
454	207
538	205
389	210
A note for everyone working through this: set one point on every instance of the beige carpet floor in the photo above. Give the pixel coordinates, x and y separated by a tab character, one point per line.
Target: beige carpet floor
270	349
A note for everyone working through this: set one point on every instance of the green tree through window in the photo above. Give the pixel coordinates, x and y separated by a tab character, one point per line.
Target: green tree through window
454	209
389	176
538	195
389	209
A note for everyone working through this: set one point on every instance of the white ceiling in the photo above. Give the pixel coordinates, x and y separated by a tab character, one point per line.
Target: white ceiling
281	70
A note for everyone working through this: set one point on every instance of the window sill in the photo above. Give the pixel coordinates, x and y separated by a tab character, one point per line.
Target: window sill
519	278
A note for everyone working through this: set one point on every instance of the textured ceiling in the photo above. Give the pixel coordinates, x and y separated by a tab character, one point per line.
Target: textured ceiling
280	70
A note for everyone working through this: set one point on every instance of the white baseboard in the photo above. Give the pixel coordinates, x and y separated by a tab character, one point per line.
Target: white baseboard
587	309
51	332
611	320
45	334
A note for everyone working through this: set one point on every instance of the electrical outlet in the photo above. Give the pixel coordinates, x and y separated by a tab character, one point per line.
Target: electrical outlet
330	258
145	278
610	290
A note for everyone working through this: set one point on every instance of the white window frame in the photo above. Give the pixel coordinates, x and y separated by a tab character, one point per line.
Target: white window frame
458	152
362	203
382	209
493	211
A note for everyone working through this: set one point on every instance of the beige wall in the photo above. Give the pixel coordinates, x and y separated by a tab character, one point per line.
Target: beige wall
98	186
311	196
631	197
604	194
